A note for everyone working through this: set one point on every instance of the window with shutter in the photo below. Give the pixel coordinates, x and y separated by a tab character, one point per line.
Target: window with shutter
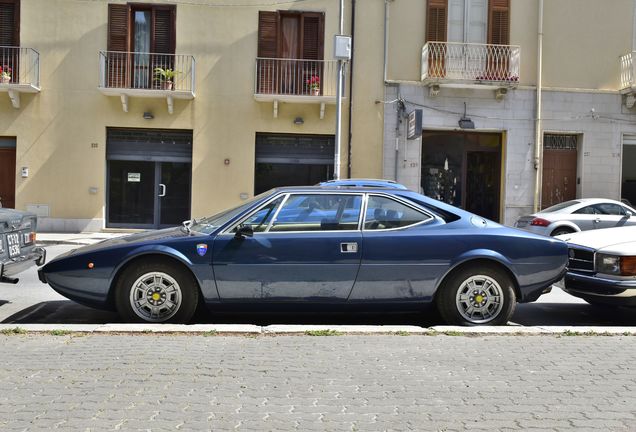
436	30
499	22
139	36
10	36
297	36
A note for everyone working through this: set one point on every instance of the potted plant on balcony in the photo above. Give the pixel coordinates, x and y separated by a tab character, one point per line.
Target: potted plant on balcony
313	82
5	74
166	77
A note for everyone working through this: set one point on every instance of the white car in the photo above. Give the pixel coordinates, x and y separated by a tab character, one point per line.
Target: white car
602	266
578	215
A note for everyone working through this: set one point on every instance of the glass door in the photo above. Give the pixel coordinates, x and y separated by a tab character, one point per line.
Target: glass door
131	190
141	49
148	194
174	192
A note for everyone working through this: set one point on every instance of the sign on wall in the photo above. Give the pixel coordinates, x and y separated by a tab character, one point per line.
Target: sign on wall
134	177
414	124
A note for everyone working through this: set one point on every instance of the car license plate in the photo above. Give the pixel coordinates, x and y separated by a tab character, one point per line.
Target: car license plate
13	240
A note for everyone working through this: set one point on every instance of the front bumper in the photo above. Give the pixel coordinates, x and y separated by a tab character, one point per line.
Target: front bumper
587	285
11	267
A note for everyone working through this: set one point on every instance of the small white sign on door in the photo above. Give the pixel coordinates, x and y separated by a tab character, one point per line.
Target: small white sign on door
134	177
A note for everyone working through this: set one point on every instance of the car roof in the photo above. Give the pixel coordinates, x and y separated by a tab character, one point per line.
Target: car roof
364	182
338	188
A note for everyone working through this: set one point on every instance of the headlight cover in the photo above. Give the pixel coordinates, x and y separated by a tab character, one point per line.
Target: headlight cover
615	265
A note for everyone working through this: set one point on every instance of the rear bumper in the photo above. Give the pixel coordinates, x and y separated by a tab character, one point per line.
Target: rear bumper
14	266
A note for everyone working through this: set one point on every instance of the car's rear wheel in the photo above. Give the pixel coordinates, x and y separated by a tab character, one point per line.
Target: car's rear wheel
561	231
477	295
156	291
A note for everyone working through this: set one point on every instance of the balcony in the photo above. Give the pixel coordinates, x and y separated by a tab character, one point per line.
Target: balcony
146	75
468	65
20	72
296	81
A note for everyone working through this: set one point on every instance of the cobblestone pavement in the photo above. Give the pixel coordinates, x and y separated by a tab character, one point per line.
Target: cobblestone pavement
391	382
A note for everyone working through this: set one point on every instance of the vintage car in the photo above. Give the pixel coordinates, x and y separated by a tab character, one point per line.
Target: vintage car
602	266
17	244
319	247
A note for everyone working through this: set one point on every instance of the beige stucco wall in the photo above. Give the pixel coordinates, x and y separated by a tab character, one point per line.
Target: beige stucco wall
57	128
583	40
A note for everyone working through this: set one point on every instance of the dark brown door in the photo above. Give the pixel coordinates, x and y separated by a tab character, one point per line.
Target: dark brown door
7	177
498	35
559	171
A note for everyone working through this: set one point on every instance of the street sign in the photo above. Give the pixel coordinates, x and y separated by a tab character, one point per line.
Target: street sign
414	124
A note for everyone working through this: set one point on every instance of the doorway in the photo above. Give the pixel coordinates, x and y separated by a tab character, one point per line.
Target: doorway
149	178
559	169
292	160
463	169
7	172
628	177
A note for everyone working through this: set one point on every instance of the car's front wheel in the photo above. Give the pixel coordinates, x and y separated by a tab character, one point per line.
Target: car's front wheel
156	291
477	295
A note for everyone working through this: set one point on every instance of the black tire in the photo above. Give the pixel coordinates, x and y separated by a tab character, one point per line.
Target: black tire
486	312
561	231
177	278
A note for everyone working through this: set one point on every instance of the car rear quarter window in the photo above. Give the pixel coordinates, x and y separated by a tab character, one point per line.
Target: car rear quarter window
589	210
386	213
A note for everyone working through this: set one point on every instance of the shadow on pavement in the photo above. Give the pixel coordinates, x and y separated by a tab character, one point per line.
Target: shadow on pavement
573	314
533	314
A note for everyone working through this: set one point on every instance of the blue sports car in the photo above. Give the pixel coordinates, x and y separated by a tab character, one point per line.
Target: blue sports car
320	246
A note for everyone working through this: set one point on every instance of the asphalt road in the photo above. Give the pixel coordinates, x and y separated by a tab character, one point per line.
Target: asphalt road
32	302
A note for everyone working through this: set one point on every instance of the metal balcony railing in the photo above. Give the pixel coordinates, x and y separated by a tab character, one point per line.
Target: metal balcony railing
142	71
20	66
469	62
295	77
628	70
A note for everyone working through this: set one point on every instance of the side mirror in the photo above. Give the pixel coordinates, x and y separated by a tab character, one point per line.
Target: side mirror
243	231
628	214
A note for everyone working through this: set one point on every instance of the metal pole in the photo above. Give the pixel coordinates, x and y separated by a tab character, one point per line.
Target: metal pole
538	141
336	171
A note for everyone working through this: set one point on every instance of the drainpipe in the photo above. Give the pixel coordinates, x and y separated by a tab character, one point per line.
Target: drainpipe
538	141
353	44
386	36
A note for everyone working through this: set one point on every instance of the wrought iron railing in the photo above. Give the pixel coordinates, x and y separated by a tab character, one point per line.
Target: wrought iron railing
19	66
146	71
470	62
295	77
628	70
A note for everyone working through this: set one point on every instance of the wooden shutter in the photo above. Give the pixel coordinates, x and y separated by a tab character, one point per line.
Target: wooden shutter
268	34
268	24
436	20
118	16
118	59
9	23
499	22
313	34
164	30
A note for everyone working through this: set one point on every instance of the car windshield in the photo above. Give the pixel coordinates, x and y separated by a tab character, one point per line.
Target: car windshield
558	207
210	223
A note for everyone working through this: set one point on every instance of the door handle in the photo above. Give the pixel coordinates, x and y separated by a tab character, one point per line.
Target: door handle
597	220
162	190
351	247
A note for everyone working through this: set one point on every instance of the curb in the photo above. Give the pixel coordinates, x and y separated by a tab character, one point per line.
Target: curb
314	330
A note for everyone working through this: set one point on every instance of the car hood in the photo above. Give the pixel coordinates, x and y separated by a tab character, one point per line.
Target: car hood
142	237
616	240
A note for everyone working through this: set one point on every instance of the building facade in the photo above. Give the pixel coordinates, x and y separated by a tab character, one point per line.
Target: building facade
473	68
118	114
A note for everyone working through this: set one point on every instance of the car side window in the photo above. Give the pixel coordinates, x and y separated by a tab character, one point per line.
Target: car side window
589	210
259	221
386	213
319	212
610	209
